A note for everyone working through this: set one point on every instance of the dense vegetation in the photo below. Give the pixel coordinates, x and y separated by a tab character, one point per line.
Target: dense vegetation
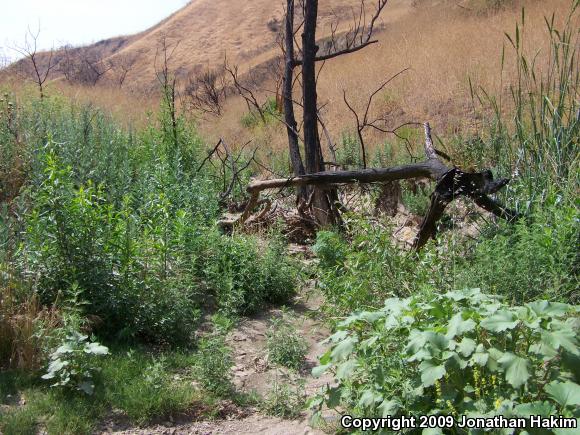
112	235
117	290
472	327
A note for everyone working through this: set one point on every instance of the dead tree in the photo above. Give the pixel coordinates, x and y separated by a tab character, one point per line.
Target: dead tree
245	92
95	67
83	66
167	81
322	201
364	122
122	65
41	65
207	92
451	184
288	83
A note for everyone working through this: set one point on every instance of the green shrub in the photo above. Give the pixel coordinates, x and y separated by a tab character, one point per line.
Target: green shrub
213	365
417	203
529	260
245	278
269	110
458	353
285	400
349	152
330	248
146	388
533	258
132	386
362	272
71	364
285	345
134	264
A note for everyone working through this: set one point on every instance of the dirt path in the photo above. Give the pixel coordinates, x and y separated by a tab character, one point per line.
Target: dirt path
253	372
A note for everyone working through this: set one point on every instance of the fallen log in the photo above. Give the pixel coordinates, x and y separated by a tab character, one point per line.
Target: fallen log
451	183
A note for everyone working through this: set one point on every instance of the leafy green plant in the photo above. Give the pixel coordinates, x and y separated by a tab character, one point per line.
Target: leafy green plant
330	248
458	353
416	202
72	363
285	400
361	272
285	345
213	365
147	387
528	260
269	113
133	385
245	277
349	152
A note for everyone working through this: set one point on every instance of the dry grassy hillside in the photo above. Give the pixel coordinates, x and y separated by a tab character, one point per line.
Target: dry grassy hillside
444	43
206	31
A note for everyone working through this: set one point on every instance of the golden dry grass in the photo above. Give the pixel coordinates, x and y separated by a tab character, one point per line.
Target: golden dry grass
23	326
209	30
444	46
444	43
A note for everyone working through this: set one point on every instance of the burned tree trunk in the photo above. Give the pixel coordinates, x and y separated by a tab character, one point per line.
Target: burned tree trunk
290	118
323	200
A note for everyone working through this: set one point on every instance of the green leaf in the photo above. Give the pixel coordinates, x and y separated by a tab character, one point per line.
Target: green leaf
467	347
49	375
516	369
534	408
96	349
337	336
494	356
325	359
369	342
87	387
480	356
343	349
572	363
345	369
389	407
565	338
320	370
458	326
416	342
432	431
65	348
546	308
565	393
371	316
369	398
56	365
334	395
421	355
436	340
431	373
500	321
543	349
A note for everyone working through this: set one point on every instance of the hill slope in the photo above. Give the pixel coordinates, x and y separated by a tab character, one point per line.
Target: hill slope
205	31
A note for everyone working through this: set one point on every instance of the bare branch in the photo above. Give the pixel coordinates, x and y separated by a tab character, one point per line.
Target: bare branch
364	123
245	92
357	38
41	67
207	92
